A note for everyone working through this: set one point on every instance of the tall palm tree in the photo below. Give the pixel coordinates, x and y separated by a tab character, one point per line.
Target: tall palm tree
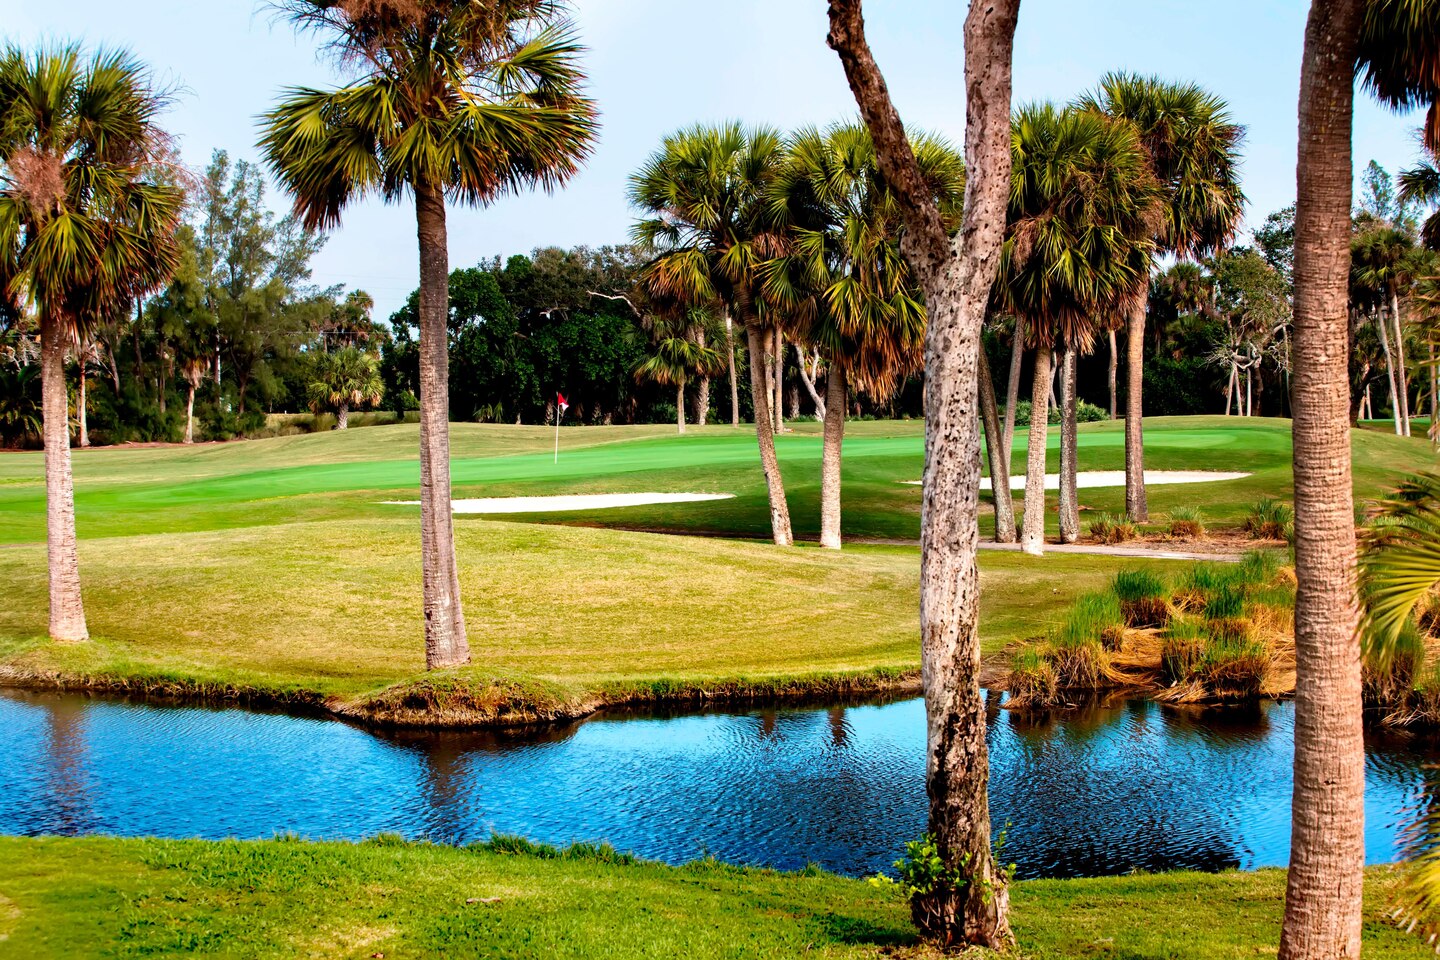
1399	57
1421	184
1194	152
679	355
844	266
1327	841
84	228
706	221
453	99
1081	202
343	379
1380	266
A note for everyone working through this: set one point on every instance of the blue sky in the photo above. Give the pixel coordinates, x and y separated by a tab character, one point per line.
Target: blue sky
656	65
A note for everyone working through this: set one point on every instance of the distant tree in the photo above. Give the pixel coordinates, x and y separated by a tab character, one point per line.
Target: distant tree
84	228
449	99
345	378
677	357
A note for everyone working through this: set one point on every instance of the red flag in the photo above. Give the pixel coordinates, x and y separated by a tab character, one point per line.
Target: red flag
560	399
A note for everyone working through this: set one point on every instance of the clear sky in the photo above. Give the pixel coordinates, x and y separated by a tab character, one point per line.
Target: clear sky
656	65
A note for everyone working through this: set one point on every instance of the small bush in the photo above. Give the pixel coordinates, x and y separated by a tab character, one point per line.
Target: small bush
1080	666
1089	618
1233	669
1109	528
1181	650
1089	413
1270	519
1259	568
1032	679
1187	523
1389	680
1022	414
1144	599
1226	602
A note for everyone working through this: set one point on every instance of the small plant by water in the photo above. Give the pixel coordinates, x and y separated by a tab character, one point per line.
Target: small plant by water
1144	599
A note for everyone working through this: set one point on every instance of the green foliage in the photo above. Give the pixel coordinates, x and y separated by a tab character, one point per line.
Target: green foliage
20	415
1187	523
1111	528
1270	519
1088	619
1137	584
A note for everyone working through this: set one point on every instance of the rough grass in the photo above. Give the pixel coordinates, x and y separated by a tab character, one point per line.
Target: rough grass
284	898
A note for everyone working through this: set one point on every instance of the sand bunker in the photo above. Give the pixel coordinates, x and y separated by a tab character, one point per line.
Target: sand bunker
586	501
1116	478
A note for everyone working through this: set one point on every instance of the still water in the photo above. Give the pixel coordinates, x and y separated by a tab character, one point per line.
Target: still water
1101	791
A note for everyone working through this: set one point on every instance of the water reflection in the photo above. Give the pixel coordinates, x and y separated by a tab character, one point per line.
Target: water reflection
1101	789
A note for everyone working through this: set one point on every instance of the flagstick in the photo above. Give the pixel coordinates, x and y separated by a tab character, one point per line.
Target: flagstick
558	414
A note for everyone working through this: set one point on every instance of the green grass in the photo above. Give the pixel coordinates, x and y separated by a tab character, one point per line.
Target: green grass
281	899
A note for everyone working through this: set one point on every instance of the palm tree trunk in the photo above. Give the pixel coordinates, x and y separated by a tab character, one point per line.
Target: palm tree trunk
999	463
1327	846
774	484
809	383
1069	447
1402	373
1114	364
80	398
190	413
680	407
67	612
1434	430
777	379
1230	388
702	391
956	280
1383	329
734	381
1032	532
836	397
446	644
1135	506
342	417
1012	387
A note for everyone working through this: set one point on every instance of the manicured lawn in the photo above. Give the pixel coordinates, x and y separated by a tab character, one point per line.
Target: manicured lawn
281	899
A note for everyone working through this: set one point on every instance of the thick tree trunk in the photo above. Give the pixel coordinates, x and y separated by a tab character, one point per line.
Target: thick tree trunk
1135	506
680	407
1012	387
190	413
955	278
446	644
1114	364
836	399
1069	448
342	417
1327	848
1383	329
1032	532
774	485
734	380
1402	373
67	612
999	464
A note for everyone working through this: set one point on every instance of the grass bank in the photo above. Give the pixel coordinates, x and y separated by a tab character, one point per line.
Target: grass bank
326	615
91	897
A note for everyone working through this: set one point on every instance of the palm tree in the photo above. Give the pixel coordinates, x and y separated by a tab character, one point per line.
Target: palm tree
347	378
1399	57
1193	147
1421	184
454	99
680	354
1327	841
844	273
704	195
84	228
1081	200
1380	266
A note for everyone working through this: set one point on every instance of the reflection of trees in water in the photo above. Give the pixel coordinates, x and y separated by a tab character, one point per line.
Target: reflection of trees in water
65	755
839	729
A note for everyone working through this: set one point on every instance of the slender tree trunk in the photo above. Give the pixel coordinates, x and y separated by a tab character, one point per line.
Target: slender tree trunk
342	417
680	407
1383	329
1434	430
67	612
1327	847
1012	388
734	381
1136	507
836	398
1402	373
702	392
1069	447
1249	394
777	379
1114	364
994	447
190	413
446	644
955	278
774	485
1032	531
1230	388
80	399
809	383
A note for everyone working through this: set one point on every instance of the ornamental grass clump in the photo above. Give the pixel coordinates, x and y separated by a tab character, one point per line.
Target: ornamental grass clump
1078	647
1144	599
1187	523
1109	528
1182	649
1032	680
1270	519
1233	667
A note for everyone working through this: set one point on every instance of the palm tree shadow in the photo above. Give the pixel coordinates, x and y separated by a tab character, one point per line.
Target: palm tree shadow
865	931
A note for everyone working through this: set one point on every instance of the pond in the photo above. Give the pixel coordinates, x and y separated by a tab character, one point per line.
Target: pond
1100	791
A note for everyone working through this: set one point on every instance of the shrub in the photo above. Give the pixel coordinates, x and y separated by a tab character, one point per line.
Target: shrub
1144	600
1259	568
1187	523
1089	618
1089	413
1022	414
1183	646
1233	668
1109	528
1081	665
1270	519
1032	679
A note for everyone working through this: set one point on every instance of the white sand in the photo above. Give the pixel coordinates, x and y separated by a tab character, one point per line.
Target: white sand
1116	478
588	501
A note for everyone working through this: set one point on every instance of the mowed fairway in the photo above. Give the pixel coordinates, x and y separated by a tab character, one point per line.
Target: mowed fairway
274	564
